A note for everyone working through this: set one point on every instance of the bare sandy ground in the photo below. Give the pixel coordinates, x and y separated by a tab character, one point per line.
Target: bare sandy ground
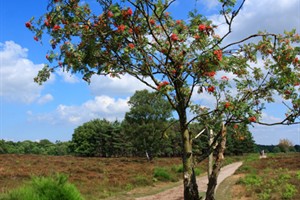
176	193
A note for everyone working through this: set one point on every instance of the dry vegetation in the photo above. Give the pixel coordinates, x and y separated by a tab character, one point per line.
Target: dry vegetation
99	178
274	178
96	178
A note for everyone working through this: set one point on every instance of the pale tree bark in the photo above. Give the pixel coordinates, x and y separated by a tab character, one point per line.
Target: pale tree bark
211	155
212	183
189	177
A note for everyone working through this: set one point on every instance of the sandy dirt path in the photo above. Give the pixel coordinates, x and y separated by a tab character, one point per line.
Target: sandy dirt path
176	193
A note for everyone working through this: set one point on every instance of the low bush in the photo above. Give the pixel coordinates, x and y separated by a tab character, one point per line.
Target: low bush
45	188
162	174
289	191
251	180
178	168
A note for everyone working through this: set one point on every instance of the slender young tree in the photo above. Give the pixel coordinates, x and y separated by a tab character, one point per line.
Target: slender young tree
175	57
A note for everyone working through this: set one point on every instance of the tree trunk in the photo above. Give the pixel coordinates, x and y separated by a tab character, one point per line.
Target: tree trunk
211	155
212	183
189	177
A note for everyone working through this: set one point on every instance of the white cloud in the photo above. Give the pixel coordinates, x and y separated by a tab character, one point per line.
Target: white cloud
204	98
99	107
67	76
267	118
45	99
209	4
273	16
17	73
106	85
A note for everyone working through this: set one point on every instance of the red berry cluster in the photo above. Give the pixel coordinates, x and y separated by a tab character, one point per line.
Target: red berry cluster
131	45
252	119
218	54
211	89
174	37
210	74
227	104
162	84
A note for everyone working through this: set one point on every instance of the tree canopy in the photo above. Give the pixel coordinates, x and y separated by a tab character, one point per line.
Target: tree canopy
147	121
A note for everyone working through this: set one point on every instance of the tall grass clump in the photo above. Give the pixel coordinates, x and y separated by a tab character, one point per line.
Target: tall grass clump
162	174
45	188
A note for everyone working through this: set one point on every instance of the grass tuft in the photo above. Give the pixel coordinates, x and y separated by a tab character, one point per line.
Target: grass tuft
162	174
45	188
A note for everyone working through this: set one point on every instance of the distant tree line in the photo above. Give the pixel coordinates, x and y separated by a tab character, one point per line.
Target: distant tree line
102	138
148	129
284	146
44	147
110	140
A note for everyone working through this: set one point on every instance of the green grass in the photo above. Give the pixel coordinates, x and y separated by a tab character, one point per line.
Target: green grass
265	187
45	188
162	174
271	178
251	180
288	191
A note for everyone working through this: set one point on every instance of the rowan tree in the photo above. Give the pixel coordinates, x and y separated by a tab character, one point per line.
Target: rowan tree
176	58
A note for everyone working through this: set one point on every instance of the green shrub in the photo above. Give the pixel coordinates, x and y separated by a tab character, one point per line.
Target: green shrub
251	180
162	174
289	191
178	168
45	188
265	195
129	186
284	178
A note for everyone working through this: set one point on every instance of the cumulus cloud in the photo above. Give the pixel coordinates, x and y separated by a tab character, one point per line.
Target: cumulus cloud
204	98
45	99
17	73
273	16
67	76
99	107
267	118
106	85
209	4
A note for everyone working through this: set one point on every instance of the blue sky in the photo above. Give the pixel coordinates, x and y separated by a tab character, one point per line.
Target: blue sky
52	111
